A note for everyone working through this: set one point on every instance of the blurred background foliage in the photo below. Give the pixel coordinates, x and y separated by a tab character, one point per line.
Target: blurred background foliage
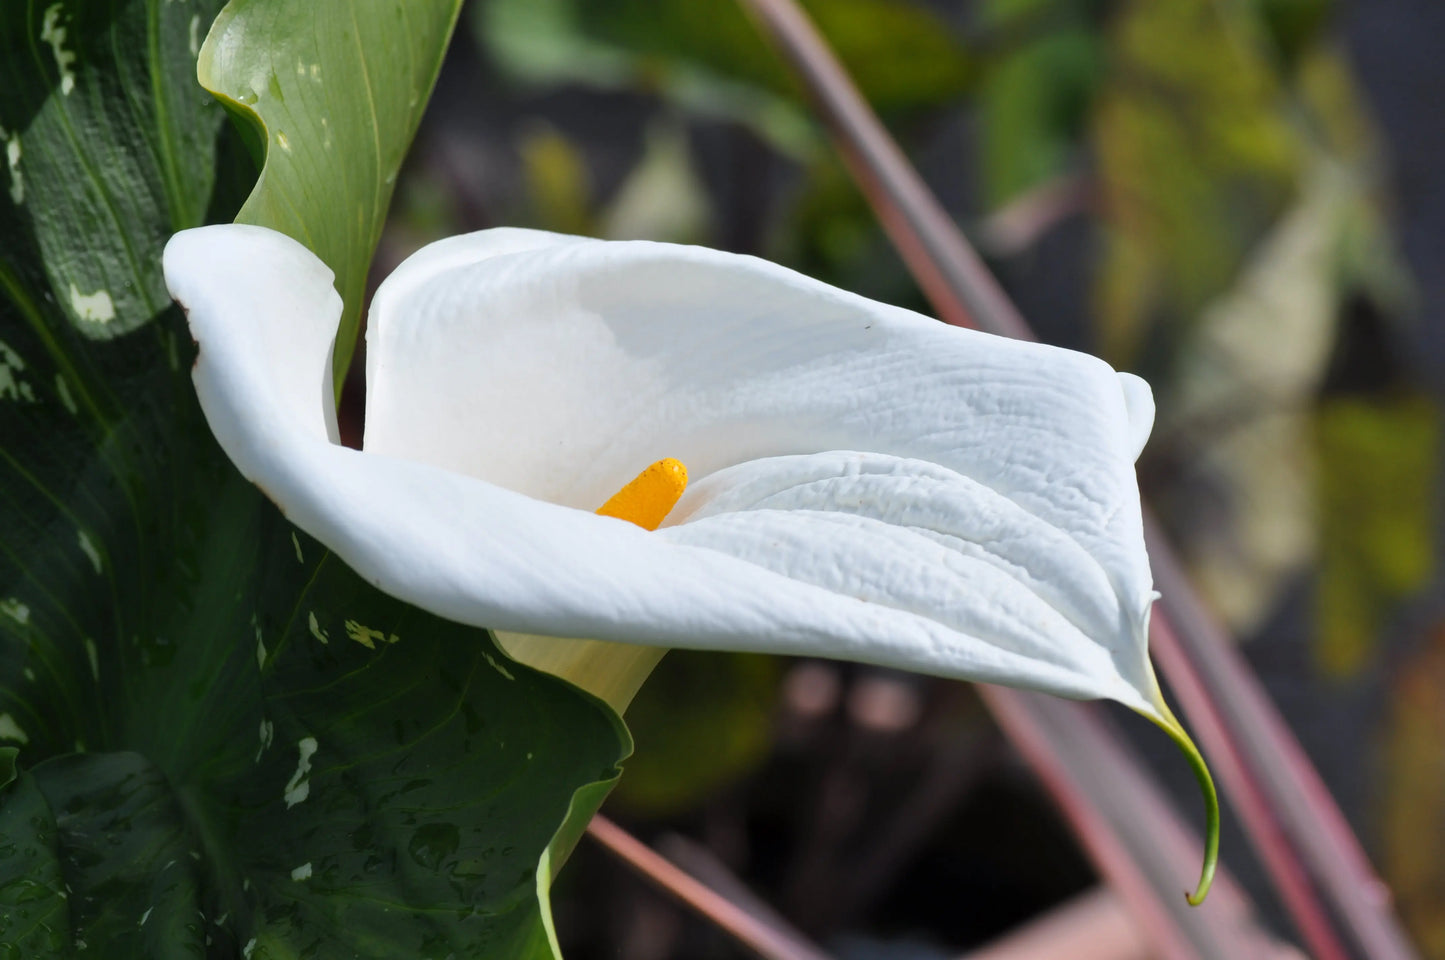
1241	200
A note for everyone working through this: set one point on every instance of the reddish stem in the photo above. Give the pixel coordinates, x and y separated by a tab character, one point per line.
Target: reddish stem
767	940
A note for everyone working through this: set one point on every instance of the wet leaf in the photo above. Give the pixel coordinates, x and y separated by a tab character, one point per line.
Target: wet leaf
210	754
34	907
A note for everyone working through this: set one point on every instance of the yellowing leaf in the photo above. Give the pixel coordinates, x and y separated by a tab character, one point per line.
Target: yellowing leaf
1377	466
1197	156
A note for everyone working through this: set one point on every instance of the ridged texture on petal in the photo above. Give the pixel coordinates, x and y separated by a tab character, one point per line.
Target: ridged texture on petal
869	484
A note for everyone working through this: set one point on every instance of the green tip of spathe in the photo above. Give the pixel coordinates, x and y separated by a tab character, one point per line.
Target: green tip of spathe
1171	725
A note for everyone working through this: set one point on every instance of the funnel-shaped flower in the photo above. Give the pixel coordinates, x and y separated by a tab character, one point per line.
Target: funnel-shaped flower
868	483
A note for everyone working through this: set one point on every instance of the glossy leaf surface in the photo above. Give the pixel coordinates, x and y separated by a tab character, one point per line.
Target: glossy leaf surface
334	90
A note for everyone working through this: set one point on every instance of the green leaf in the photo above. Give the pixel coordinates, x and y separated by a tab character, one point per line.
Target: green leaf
68	97
545	42
123	847
1036	93
228	744
706	56
334	89
1197	156
1378	474
34	907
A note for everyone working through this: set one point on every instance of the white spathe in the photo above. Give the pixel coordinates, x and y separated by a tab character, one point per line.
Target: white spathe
868	483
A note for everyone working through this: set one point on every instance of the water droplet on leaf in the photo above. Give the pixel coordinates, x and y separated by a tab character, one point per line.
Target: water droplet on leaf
432	843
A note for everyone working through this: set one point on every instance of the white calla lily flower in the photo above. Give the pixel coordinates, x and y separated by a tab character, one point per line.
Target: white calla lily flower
869	484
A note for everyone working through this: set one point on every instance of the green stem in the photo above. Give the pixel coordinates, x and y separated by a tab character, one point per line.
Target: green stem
1171	725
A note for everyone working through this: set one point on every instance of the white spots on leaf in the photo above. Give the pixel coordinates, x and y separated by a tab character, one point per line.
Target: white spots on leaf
325	134
15	610
316	630
96	307
268	733
298	788
62	389
366	636
316	72
250	946
297	544
80	945
29	674
53	33
498	667
260	644
145	916
11	386
93	655
283	141
302	872
10	730
12	160
87	547
196	35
